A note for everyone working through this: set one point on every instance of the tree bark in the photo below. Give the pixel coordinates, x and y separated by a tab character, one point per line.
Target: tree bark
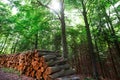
4	45
99	59
90	45
113	63
111	56
115	40
63	28
36	40
15	46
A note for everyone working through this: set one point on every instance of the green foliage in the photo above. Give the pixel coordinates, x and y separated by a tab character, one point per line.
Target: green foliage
32	18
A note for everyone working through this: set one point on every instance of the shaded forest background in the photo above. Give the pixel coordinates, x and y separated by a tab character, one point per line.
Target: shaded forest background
92	30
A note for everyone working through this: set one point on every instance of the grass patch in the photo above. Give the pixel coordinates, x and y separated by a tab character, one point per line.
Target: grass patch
10	70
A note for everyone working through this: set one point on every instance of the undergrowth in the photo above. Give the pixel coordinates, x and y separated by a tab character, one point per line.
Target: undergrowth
10	70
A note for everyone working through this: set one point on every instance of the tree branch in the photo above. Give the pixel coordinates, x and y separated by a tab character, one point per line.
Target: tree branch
46	6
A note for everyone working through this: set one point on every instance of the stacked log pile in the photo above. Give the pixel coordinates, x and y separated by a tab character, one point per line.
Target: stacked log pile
47	65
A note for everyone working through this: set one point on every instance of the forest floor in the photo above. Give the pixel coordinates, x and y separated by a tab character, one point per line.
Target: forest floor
5	75
13	76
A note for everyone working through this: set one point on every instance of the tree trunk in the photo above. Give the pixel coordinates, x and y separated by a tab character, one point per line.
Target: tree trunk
14	49
90	45
4	45
99	59
113	63
111	56
115	40
115	37
63	28
36	40
57	42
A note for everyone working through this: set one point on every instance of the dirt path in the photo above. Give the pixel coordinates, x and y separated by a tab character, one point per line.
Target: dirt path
11	76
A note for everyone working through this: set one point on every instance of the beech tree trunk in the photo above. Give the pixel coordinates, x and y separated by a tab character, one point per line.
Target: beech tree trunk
113	63
63	28
99	59
113	34
36	40
4	45
111	56
15	46
90	45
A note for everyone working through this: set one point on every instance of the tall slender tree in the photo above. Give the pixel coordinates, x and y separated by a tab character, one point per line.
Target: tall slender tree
89	39
63	26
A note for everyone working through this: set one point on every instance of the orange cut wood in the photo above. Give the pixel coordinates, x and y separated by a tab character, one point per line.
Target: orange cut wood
33	74
38	74
35	65
42	69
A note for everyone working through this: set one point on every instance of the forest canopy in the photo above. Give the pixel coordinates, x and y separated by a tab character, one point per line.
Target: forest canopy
20	21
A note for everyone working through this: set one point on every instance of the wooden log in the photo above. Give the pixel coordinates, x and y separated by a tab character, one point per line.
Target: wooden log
48	57
32	74
9	63
27	73
57	74
60	62
42	69
41	54
37	59
35	65
39	74
51	70
21	61
49	63
45	76
40	64
65	66
49	78
69	72
54	62
54	69
21	56
28	70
